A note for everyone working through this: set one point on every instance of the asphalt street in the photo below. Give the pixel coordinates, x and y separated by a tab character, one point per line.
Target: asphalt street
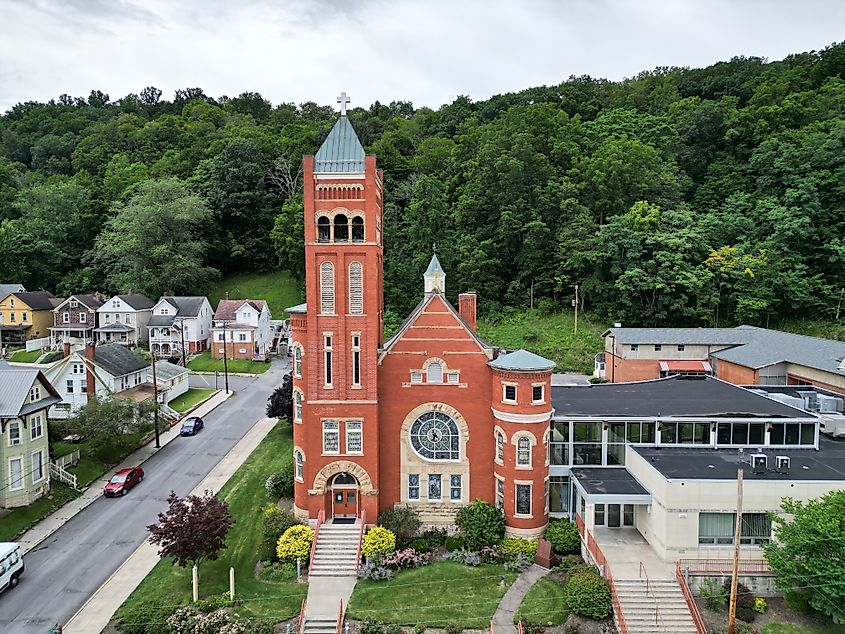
67	568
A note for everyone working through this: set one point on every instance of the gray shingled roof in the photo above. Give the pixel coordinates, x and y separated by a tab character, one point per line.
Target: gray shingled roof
671	336
15	383
226	308
676	396
187	306
89	300
299	308
37	300
766	347
138	301
117	327
341	152
166	370
117	360
521	360
161	320
5	289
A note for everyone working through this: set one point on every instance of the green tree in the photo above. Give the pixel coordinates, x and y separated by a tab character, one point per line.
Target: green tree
155	242
806	552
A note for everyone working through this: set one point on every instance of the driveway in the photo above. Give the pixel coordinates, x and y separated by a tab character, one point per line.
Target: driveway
68	567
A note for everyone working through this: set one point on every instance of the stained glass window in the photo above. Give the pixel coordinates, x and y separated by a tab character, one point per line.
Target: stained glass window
331	436
434	436
434	487
413	486
455	489
523	499
500	494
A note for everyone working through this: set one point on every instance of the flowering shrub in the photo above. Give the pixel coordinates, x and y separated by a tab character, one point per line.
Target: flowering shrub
295	543
378	542
187	620
465	557
760	605
374	572
510	547
404	559
491	555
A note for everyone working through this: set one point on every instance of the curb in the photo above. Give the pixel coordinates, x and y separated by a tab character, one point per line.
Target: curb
29	546
220	373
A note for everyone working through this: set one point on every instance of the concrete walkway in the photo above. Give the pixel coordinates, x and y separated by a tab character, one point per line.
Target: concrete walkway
625	548
325	595
503	618
53	522
95	614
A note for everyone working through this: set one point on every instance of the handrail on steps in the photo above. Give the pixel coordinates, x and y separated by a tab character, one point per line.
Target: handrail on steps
519	627
491	627
321	518
691	604
301	617
361	537
650	591
339	617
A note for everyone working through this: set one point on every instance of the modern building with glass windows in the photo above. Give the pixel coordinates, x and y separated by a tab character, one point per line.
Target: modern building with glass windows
662	456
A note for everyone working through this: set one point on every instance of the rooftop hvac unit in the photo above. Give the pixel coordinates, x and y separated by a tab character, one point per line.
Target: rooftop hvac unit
782	464
829	404
794	401
759	462
810	397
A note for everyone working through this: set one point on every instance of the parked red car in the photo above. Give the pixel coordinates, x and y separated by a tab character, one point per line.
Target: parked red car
122	481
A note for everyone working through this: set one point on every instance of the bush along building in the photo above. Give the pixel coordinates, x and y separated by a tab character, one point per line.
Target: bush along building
435	416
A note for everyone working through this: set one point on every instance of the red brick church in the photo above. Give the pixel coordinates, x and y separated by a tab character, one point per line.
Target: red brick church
435	416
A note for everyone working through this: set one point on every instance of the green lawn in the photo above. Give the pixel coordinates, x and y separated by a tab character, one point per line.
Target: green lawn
543	604
277	289
204	363
245	494
550	336
21	519
194	395
22	356
444	593
783	628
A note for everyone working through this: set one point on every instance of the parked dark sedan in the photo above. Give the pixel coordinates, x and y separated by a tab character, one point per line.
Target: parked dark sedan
122	481
191	426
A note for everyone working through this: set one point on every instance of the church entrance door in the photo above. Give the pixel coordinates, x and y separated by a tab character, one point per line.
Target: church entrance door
344	492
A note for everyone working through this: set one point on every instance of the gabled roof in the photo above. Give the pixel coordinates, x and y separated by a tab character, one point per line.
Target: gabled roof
522	360
188	306
5	289
117	360
342	151
37	300
298	309
89	301
227	308
137	301
15	383
166	370
412	317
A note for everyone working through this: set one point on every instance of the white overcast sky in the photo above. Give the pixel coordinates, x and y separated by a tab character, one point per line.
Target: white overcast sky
426	51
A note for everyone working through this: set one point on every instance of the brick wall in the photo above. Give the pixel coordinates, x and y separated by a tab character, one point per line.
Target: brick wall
737	374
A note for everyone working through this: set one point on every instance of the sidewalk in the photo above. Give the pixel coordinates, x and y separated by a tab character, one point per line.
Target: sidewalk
96	613
50	524
503	618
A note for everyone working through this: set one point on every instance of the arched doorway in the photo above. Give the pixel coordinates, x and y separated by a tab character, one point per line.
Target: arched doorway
345	502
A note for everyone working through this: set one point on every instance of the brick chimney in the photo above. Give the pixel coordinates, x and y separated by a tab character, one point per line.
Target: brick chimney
89	374
66	350
466	308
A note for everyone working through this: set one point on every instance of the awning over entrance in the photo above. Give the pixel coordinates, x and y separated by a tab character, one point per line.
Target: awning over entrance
609	485
677	366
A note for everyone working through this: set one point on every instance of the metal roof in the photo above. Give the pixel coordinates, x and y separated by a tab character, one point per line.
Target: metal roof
673	397
5	289
15	383
434	266
299	308
688	336
341	152
766	347
521	360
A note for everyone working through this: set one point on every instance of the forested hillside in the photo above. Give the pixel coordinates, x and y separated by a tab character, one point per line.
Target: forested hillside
680	196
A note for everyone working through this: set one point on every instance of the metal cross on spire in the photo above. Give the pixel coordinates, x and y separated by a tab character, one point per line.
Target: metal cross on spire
343	100
434	247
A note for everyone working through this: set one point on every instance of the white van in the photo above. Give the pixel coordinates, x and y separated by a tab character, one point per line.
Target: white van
11	565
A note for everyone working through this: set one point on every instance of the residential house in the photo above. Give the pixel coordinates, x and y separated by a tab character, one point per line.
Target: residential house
745	355
25	396
177	321
75	319
245	324
5	289
26	315
107	369
124	319
172	380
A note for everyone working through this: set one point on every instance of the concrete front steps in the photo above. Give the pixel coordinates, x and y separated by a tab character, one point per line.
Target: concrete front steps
638	607
336	554
320	625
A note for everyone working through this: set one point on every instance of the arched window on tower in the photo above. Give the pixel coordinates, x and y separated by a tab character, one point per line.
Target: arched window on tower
356	289
500	447
357	229
327	288
324	230
297	455
523	452
297	406
341	228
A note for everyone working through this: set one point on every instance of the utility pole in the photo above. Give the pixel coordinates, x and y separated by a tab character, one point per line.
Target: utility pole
737	536
839	305
182	334
225	364
576	310
155	399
